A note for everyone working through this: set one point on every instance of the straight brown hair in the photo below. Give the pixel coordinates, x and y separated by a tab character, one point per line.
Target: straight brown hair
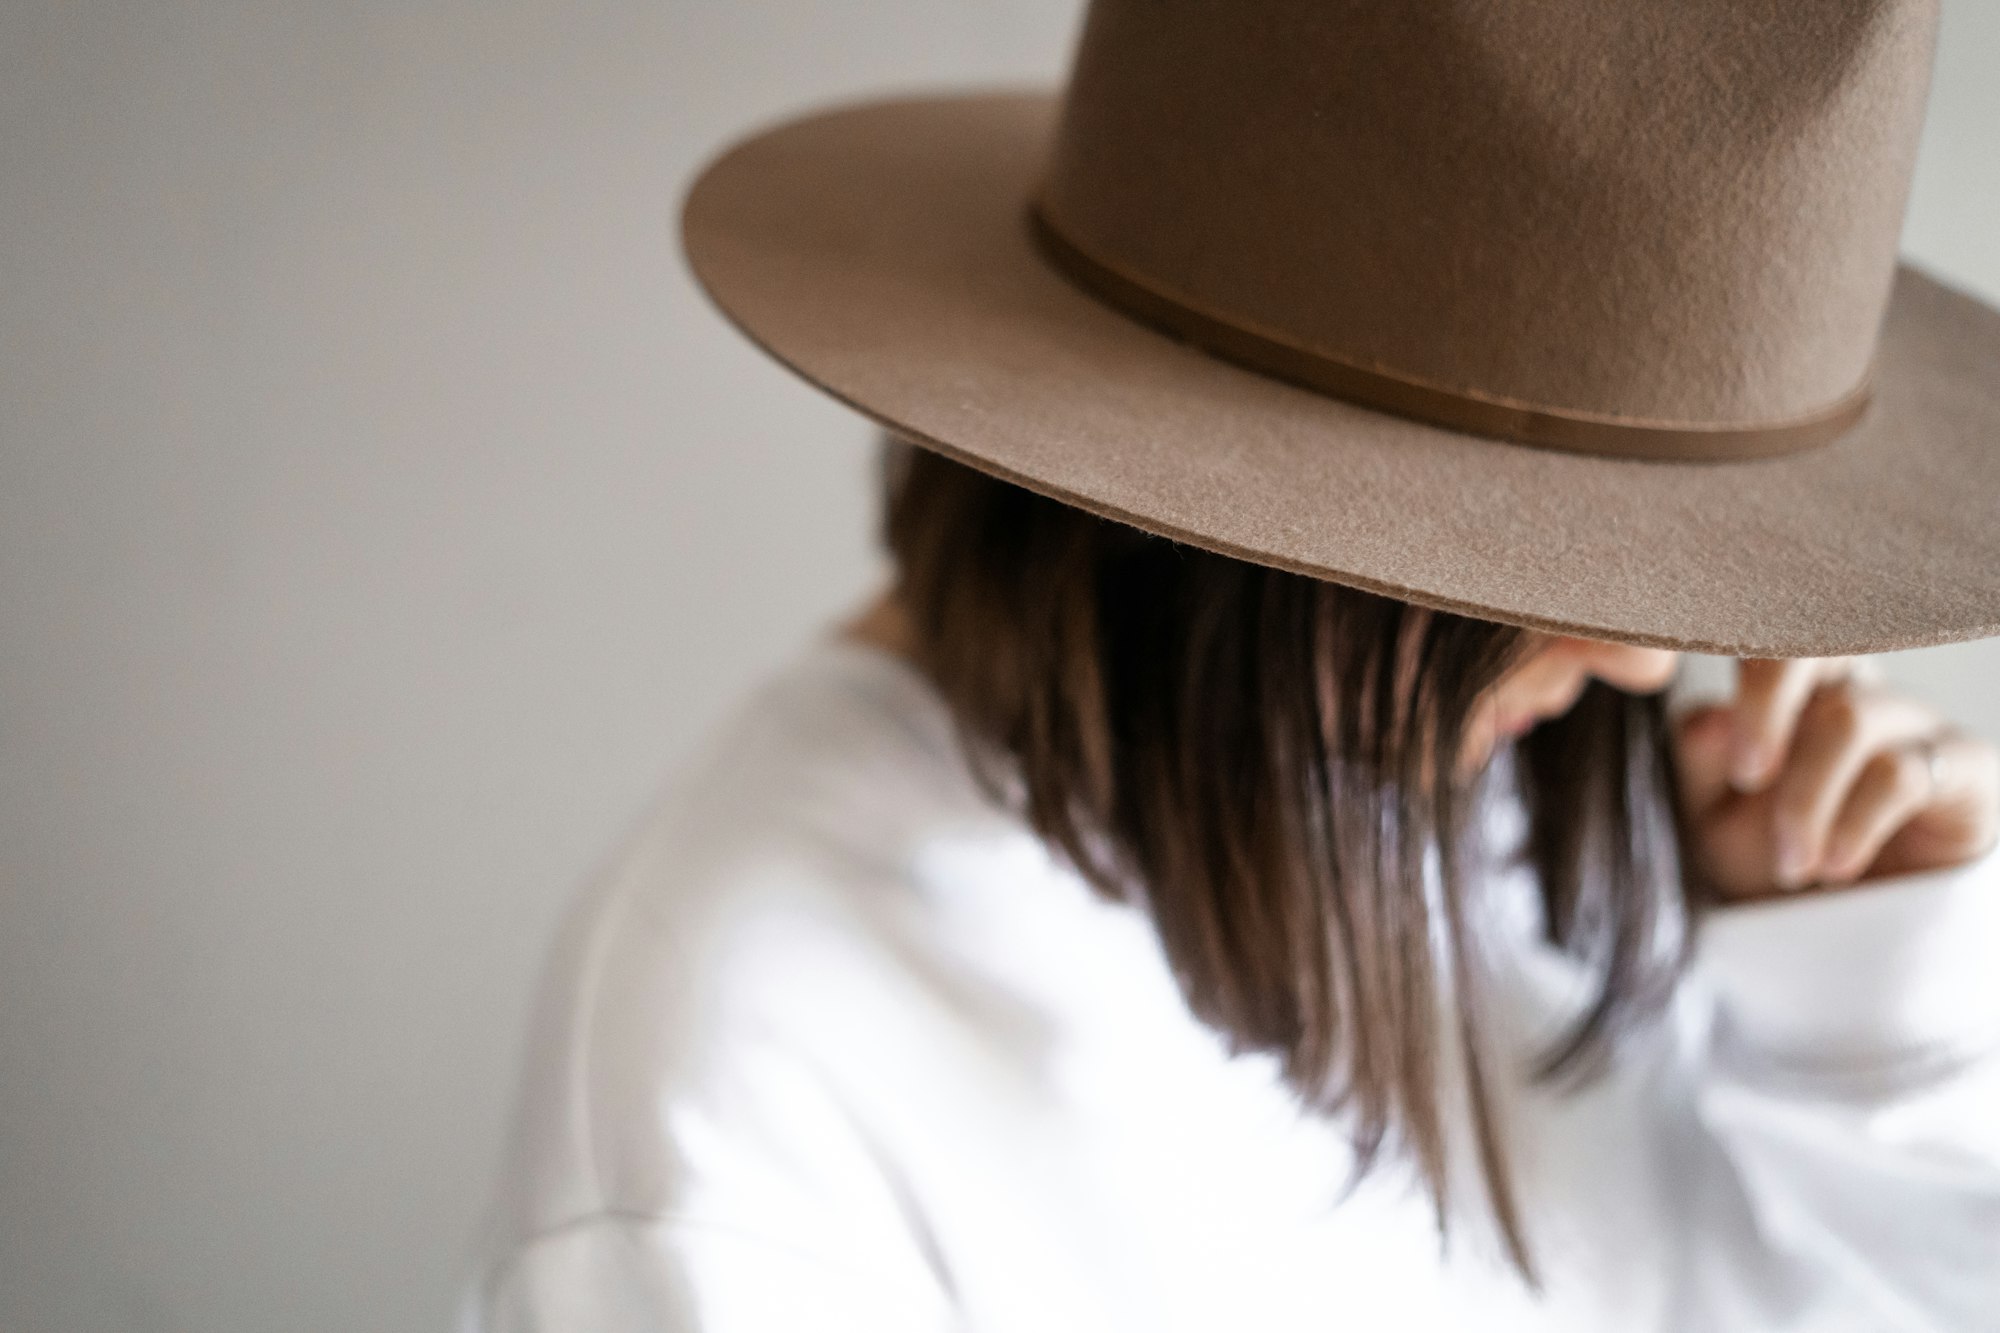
1260	759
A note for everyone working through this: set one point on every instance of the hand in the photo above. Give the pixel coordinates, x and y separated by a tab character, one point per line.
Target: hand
1818	773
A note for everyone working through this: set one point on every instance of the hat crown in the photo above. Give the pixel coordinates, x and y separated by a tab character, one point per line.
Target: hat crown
1667	211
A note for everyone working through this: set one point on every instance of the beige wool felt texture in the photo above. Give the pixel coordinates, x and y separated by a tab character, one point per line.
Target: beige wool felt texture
1582	317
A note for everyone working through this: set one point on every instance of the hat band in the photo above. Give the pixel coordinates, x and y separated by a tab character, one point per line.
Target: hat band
1459	409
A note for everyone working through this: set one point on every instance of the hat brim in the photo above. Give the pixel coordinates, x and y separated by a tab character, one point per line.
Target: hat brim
882	251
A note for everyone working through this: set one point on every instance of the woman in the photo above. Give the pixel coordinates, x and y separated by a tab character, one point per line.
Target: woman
1221	883
840	1045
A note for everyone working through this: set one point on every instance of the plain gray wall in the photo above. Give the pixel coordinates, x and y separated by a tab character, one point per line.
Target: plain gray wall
382	513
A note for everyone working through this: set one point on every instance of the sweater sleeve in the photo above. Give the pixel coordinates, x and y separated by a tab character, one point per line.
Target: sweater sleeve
1852	1083
613	1273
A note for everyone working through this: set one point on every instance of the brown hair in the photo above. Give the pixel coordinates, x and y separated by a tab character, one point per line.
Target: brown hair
1259	759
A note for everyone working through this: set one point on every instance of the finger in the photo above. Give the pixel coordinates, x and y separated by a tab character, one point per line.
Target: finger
1770	693
1865	670
1893	785
1842	727
1961	819
1702	751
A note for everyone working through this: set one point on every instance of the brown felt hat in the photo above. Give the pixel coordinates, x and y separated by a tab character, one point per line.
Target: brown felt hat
1575	315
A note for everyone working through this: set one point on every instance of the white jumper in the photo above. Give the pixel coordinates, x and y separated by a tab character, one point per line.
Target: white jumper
837	1044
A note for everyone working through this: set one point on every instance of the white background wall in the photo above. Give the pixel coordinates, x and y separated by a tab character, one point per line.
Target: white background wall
381	514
